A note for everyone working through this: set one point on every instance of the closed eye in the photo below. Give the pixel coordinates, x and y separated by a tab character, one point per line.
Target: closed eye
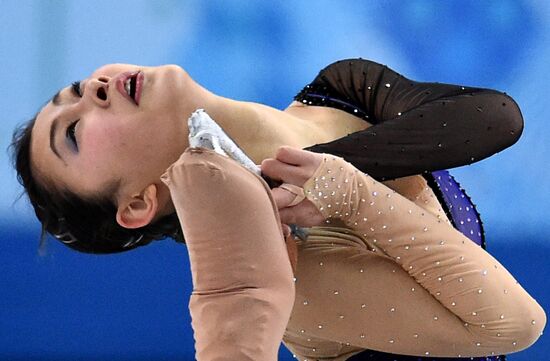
71	133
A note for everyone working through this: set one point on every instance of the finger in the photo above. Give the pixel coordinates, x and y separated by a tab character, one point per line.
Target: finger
307	160
282	197
304	214
291	155
286	229
297	191
287	173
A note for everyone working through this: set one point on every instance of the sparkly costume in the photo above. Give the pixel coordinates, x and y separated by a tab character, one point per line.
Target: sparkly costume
389	272
417	128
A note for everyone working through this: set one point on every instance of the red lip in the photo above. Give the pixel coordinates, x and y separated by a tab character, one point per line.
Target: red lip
121	79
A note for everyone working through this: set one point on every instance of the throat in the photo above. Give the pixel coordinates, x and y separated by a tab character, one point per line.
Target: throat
259	130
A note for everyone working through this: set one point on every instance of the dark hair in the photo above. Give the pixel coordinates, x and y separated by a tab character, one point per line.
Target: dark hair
85	224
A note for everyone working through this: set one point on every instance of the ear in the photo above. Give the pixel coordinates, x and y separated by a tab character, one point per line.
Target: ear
139	210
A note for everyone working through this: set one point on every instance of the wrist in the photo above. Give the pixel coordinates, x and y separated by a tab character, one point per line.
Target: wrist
333	189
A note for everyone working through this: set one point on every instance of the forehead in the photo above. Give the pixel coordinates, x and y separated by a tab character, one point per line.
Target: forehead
42	157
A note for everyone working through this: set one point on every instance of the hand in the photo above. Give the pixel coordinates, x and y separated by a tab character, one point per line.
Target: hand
293	166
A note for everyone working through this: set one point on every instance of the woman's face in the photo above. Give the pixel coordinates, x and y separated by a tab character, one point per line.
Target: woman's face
124	122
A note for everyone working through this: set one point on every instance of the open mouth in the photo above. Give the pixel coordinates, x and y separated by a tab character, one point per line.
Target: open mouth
130	86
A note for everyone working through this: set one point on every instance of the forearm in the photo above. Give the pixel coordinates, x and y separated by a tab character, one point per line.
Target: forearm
243	289
465	279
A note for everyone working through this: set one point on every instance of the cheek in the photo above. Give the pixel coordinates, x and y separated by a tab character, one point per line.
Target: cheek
118	143
103	145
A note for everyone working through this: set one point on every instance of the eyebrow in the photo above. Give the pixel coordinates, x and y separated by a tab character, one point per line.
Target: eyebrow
53	128
56	99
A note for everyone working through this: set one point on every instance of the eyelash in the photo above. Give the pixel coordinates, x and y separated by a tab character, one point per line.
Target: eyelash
70	133
75	86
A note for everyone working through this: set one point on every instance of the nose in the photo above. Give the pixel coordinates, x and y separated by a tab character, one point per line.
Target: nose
98	90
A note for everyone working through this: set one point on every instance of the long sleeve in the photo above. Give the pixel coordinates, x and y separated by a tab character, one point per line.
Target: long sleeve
480	310
243	287
417	127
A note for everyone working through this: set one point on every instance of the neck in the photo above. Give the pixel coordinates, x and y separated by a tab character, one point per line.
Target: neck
258	129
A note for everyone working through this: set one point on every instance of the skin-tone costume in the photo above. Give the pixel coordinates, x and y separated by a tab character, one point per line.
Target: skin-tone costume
396	270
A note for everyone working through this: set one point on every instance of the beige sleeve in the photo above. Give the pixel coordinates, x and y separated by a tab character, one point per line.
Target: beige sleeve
243	288
478	301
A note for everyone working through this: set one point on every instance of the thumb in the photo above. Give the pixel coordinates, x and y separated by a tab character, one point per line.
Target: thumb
286	229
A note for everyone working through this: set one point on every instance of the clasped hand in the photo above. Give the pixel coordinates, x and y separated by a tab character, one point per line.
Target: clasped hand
293	166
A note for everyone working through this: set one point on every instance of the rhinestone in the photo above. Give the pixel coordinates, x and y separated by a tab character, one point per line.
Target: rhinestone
302	331
363	305
425	229
387	85
362	336
321	263
478	344
501	317
426	248
460	279
306	303
336	292
514	343
361	270
498	334
505	291
453	304
320	326
341	317
399	113
415	335
391	341
484	272
439	278
412	289
482	325
474	313
427	353
407	247
441	242
466	324
532	322
375	193
479	291
392	309
436	318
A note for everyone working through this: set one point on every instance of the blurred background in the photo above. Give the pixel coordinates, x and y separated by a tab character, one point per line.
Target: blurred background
69	306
